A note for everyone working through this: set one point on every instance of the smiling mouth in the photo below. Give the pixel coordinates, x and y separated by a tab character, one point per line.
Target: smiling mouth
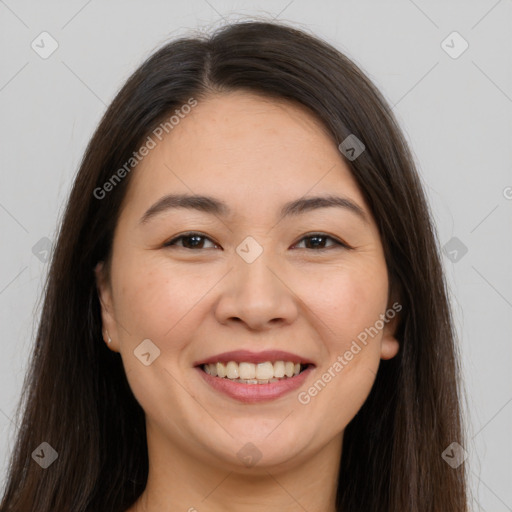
255	373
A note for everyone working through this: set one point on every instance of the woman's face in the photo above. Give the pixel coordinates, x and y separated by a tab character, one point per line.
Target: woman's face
270	288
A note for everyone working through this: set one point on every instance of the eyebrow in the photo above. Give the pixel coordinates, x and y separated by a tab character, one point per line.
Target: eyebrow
213	206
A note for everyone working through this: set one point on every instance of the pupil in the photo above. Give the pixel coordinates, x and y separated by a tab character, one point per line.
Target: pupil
316	238
197	238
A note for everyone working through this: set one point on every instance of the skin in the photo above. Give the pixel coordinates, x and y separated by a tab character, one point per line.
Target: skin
255	154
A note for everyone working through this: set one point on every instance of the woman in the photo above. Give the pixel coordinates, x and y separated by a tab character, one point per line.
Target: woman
246	307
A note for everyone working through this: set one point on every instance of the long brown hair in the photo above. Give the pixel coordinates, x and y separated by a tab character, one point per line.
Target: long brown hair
76	396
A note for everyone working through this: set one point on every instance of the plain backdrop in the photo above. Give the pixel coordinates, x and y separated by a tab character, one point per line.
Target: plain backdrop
454	105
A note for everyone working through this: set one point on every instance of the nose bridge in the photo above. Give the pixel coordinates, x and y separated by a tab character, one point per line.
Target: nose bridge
256	294
254	279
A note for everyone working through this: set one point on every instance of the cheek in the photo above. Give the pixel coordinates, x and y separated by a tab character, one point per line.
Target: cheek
348	309
157	300
347	301
349	305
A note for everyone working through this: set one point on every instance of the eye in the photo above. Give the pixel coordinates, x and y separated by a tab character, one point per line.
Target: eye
194	240
317	241
190	240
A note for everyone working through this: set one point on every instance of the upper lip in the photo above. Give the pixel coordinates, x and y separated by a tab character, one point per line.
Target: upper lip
254	357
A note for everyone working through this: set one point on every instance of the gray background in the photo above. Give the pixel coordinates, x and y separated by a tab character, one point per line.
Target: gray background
455	112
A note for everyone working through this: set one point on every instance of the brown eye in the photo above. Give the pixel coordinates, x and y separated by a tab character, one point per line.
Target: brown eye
317	241
189	241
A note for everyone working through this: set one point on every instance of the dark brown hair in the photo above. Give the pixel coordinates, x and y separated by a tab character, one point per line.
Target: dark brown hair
76	396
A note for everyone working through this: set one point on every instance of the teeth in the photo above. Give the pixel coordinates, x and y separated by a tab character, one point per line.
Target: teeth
264	371
247	370
221	370
279	369
250	373
232	370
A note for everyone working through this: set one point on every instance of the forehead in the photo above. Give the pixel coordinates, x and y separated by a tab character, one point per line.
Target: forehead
246	149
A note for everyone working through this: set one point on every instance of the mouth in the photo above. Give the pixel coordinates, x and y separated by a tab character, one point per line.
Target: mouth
255	377
250	373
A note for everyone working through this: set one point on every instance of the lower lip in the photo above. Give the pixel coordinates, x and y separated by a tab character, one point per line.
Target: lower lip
251	393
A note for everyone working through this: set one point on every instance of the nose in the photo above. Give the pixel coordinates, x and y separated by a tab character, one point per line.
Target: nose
257	294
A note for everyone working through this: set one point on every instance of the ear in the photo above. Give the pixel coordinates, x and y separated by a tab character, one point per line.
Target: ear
389	343
107	310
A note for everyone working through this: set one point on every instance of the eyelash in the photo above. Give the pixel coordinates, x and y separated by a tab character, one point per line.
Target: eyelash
191	234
